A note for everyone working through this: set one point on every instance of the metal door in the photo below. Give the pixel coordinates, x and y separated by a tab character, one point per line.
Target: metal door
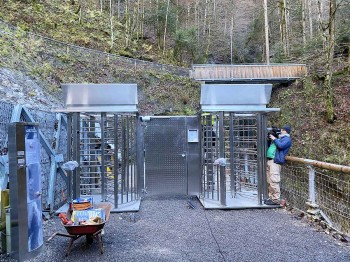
165	142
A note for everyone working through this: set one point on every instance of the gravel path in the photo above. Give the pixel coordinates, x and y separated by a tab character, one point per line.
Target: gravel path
168	230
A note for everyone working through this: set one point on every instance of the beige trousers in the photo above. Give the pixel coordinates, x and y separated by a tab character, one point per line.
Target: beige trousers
273	173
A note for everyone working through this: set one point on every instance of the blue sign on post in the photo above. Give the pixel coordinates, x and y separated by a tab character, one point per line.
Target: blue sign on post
33	175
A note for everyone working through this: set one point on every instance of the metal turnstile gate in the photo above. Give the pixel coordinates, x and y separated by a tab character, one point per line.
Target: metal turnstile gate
233	148
105	145
172	158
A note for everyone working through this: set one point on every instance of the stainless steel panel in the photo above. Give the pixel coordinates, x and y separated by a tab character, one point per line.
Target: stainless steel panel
26	238
100	97
165	156
236	98
193	158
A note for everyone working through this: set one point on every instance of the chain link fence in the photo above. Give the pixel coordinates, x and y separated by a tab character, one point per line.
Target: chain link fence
304	185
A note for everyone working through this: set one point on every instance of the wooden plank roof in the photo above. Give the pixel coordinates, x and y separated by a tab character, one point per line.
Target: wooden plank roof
248	72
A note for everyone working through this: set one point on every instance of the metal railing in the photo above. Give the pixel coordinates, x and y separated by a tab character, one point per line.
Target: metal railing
318	187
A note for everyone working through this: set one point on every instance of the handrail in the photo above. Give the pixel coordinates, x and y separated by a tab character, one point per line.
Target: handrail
325	165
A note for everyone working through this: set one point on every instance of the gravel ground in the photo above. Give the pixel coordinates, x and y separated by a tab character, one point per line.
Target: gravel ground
167	229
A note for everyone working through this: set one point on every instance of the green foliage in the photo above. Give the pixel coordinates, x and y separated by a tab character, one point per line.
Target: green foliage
185	41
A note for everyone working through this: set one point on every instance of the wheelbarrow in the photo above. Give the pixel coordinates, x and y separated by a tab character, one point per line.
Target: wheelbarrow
90	231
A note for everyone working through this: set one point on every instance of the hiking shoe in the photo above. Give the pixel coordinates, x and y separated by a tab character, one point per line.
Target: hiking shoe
271	202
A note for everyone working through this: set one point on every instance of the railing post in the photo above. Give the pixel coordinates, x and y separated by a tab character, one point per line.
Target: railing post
313	208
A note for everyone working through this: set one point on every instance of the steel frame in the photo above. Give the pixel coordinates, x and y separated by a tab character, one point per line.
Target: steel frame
233	159
105	146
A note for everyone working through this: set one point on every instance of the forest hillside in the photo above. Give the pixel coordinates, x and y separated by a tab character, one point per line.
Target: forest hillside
155	42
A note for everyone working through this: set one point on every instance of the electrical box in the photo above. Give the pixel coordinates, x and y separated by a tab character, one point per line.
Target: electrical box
25	190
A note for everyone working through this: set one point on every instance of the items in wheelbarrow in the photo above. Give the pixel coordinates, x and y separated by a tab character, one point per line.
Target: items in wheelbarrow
64	219
88	216
82	203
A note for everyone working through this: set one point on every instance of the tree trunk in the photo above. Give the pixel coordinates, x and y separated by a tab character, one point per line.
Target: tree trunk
127	24
284	26
310	18
303	19
118	12
287	29
231	40
142	18
207	26
111	23
330	53
267	45
321	26
165	26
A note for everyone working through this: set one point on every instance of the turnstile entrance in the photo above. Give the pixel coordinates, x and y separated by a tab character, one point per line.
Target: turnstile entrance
233	166
104	145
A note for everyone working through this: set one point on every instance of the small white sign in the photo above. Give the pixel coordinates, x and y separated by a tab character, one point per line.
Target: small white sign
192	135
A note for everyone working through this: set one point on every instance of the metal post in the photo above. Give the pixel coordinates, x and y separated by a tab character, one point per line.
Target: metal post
103	164
264	150
8	230
69	156
123	159
116	161
140	156
76	154
261	155
127	158
222	155
232	159
313	208
312	193
53	167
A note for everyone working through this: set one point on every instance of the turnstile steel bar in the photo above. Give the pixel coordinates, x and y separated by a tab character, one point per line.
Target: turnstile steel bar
116	162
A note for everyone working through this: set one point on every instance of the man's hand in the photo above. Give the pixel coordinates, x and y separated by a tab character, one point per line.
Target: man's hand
272	137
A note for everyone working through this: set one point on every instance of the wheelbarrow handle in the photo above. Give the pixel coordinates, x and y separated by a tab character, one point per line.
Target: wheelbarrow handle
60	234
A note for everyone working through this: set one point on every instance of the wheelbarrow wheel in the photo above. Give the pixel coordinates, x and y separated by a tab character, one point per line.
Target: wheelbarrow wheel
89	239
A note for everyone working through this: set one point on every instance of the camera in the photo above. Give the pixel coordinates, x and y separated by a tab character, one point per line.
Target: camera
275	131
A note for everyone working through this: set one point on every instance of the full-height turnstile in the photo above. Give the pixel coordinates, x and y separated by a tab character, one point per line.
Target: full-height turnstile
102	126
233	145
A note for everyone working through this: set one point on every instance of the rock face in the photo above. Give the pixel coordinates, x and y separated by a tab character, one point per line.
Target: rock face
18	88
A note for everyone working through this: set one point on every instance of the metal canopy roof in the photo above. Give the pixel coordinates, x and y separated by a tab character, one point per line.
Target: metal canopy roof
236	98
100	97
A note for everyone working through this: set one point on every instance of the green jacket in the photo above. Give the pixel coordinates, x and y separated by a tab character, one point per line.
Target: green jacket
271	151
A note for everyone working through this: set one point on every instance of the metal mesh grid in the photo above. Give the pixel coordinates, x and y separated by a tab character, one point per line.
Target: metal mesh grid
333	197
244	155
294	185
332	192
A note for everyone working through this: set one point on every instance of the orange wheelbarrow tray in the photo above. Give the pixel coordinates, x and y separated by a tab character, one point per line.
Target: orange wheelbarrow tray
90	231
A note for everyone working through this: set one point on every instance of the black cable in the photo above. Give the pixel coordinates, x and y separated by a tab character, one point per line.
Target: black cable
212	234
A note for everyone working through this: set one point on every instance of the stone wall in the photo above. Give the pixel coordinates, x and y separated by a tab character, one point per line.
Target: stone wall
46	122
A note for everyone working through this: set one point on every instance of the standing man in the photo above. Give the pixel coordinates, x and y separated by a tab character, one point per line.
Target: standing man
275	160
